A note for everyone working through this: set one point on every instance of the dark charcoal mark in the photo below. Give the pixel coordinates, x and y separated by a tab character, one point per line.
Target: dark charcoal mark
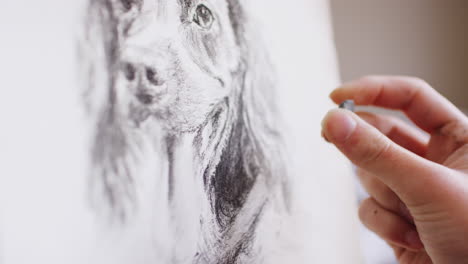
111	43
127	4
185	5
242	247
170	143
146	98
215	126
245	243
112	146
235	174
130	4
129	71
348	105
203	17
238	19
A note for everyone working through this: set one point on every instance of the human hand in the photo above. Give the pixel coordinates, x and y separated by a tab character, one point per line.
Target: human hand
418	182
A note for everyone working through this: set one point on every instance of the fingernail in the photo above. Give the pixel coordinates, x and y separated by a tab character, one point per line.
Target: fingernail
413	240
325	137
338	125
332	94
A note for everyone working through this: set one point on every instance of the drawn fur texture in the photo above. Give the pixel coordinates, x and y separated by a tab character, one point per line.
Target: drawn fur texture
180	96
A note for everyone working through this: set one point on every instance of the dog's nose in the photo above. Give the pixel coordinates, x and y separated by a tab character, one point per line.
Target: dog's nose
153	77
150	75
146	97
148	81
129	71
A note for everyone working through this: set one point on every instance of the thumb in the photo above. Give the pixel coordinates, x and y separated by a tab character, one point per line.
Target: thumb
414	179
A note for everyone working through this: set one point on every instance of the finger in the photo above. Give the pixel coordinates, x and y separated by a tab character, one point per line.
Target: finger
406	256
401	170
399	132
446	141
398	251
459	160
427	108
379	191
389	226
383	194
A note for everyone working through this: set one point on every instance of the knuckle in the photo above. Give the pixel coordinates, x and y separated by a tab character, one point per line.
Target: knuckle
459	159
380	192
366	210
369	79
362	174
375	152
419	83
456	131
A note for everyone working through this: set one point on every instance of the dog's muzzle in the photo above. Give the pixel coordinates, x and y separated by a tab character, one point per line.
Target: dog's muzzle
149	83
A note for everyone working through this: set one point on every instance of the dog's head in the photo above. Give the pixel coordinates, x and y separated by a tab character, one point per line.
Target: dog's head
183	65
174	60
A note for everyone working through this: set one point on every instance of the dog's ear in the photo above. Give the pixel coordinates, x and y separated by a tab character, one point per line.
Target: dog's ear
97	55
254	145
112	145
260	114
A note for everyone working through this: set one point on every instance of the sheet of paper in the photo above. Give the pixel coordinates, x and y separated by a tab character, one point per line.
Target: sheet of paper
183	132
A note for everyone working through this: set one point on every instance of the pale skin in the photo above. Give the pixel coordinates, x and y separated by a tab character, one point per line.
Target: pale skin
418	181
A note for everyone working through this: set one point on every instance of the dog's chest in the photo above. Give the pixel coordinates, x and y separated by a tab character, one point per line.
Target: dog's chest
172	203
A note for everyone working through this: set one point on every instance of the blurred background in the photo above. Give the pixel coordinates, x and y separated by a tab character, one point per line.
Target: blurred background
423	38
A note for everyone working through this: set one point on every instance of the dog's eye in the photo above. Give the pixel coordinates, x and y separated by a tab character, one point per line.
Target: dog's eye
127	4
203	17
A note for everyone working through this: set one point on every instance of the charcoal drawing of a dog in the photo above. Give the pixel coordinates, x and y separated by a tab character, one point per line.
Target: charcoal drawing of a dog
180	96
